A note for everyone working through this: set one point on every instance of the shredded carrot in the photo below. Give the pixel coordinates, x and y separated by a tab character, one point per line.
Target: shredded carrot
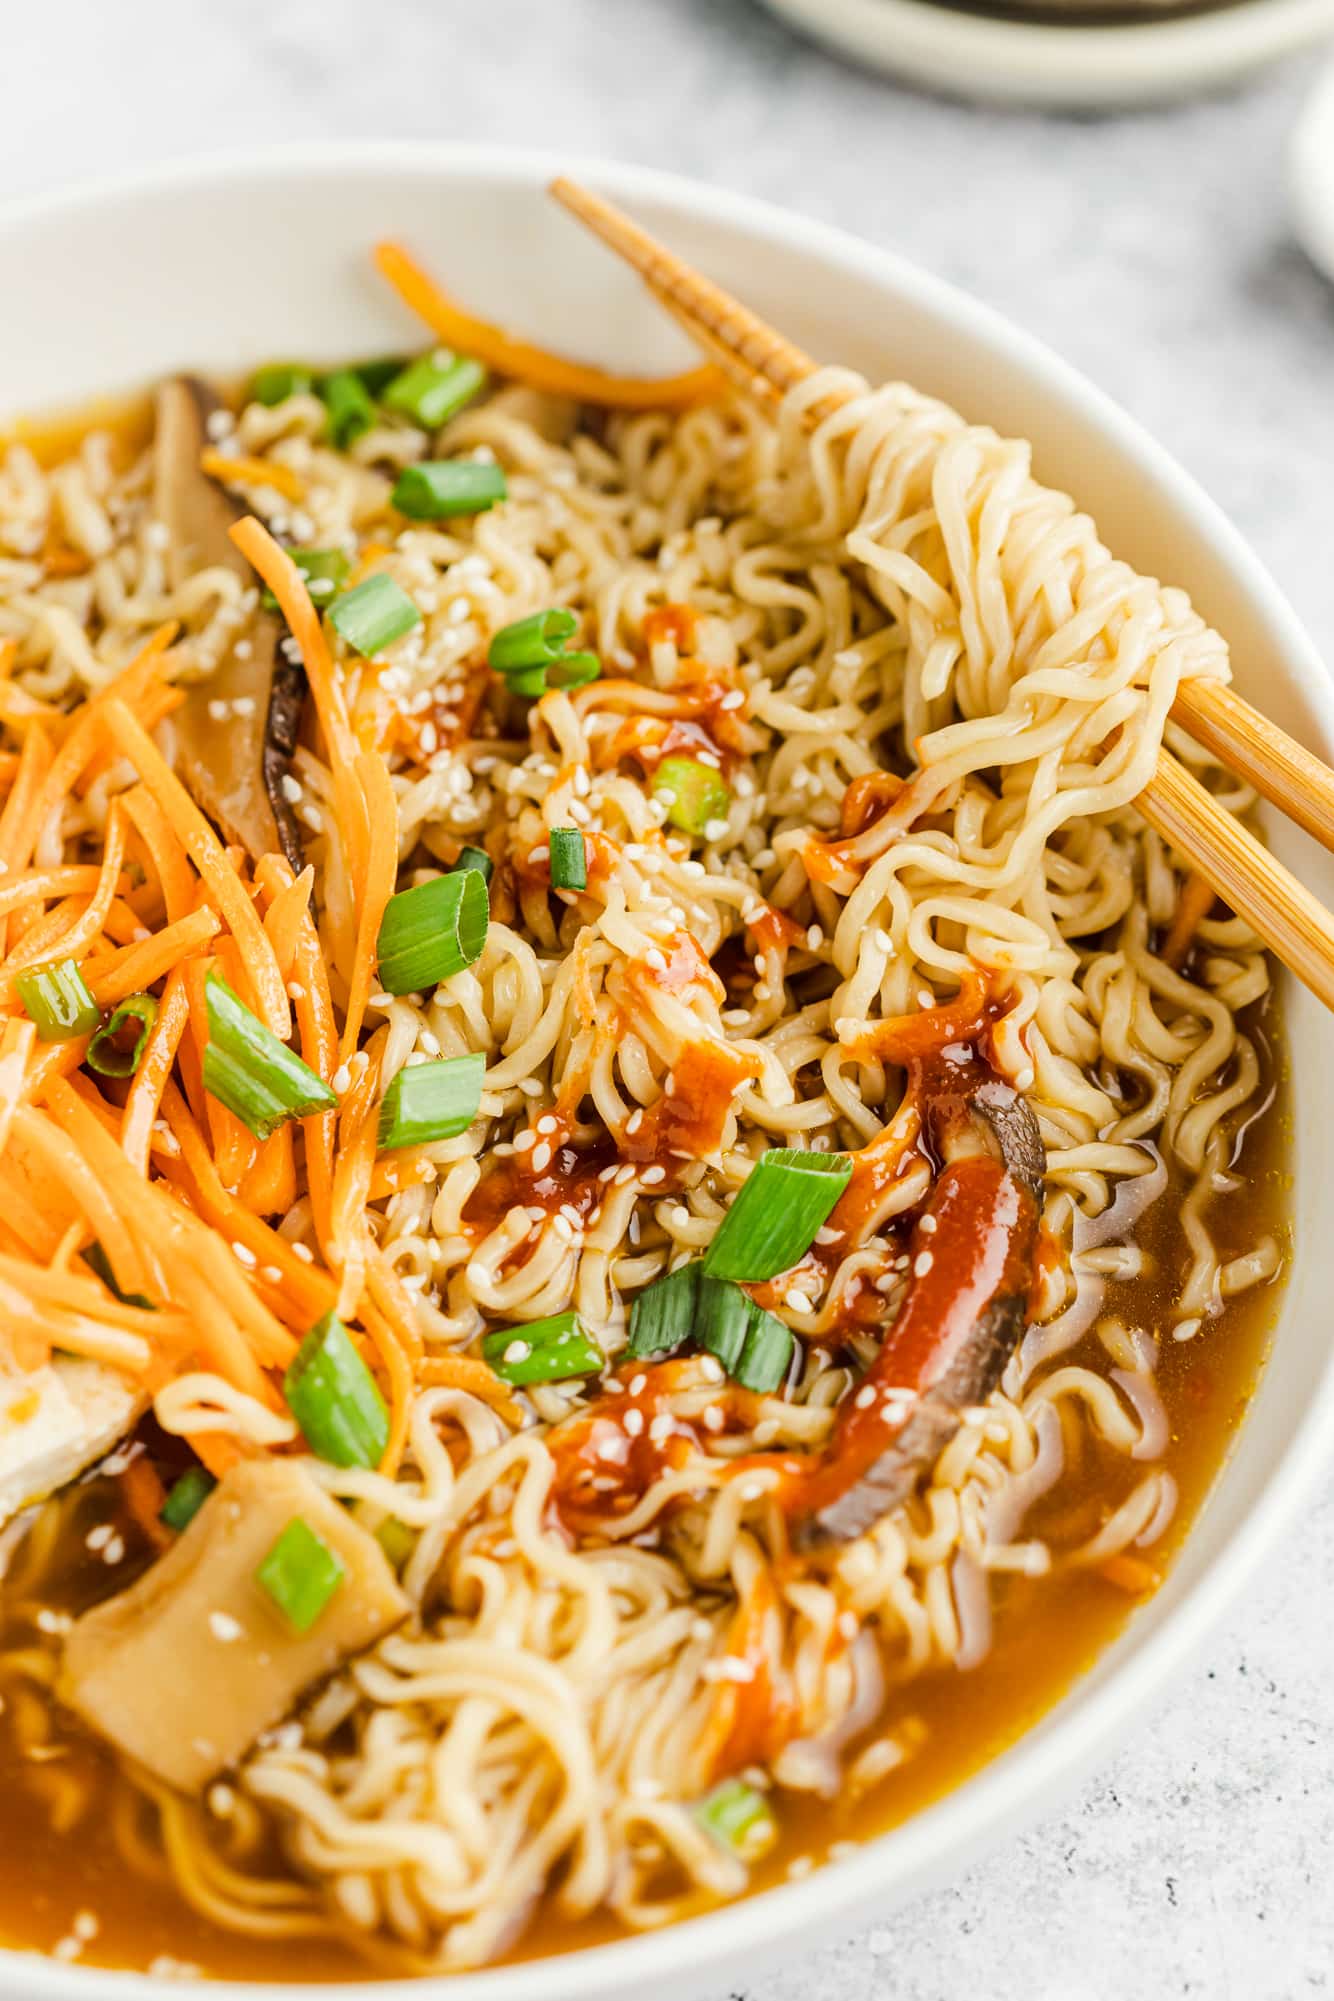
349	1236
16	1040
319	1047
269	1184
470	1373
206	852
378	887
166	853
1130	1574
145	1497
152	707
251	472
398	1372
284	917
75	941
150	1080
1197	900
507	355
284	579
132	968
234	1146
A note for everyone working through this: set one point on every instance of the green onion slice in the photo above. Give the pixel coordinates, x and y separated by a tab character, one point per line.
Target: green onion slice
97	1258
57	999
570	670
433	931
433	387
695	793
397	1540
301	1574
351	413
186	1498
430	1101
439	489
739	1817
277	381
533	641
725	1317
249	1071
379	372
325	572
544	1351
475	858
373	614
569	864
766	1353
662	1318
110	1057
335	1399
772	1222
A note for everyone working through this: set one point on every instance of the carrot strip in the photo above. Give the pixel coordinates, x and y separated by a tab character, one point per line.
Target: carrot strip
284	916
534	365
132	968
34	763
164	850
308	1292
269	1185
59	1156
284	579
251	472
152	707
470	1373
319	1048
42	885
150	1079
398	1371
145	1497
206	852
75	941
1196	901
16	1041
378	887
1130	1574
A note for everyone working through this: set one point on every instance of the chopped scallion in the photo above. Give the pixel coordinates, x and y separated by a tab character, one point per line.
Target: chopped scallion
325	572
773	1220
766	1354
397	1540
432	931
569	864
430	1101
249	1071
534	641
109	1055
724	1318
301	1574
186	1498
439	489
373	614
545	1351
568	670
97	1258
739	1817
277	381
57	999
662	1318
475	858
378	373
335	1399
433	387
695	793
351	413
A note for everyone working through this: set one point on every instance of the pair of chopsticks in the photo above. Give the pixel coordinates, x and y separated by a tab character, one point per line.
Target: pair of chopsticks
1293	923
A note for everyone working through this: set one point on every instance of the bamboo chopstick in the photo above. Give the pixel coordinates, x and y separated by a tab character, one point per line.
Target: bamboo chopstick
1292	922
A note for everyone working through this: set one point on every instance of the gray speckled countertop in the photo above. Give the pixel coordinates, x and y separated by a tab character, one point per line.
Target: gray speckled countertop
1153	251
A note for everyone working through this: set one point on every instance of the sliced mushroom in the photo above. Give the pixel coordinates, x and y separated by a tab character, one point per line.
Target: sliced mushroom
973	1262
233	758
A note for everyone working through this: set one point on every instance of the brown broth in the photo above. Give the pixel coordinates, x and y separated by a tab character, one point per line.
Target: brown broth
1047	1632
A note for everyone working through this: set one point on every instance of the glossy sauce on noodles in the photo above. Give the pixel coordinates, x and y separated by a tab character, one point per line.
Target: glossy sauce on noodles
1046	1631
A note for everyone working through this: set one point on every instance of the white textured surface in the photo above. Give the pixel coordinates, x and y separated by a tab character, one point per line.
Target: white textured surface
1154	253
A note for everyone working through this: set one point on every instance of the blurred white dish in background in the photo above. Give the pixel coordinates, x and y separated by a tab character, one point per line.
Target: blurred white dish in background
1009	61
1311	170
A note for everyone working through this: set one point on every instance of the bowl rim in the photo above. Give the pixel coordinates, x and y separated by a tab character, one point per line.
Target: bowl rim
1045	1762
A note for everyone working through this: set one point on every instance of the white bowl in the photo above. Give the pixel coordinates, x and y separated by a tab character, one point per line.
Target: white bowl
229	263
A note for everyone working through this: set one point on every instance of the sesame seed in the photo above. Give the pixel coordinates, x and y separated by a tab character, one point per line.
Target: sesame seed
928	1226
922	1264
634	1423
517	1351
224	1627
